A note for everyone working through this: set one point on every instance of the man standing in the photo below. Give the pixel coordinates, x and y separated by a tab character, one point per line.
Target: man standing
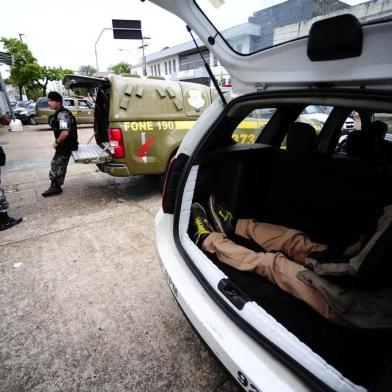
63	124
6	221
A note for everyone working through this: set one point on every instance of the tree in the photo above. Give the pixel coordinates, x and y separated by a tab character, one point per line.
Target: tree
86	70
50	74
26	72
20	74
120	68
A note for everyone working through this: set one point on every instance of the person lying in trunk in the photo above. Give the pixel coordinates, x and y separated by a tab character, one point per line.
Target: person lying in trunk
283	263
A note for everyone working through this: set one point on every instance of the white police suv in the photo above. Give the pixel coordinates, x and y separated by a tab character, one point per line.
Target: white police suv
282	58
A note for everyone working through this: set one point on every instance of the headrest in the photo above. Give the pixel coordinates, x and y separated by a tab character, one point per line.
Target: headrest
360	144
300	138
378	129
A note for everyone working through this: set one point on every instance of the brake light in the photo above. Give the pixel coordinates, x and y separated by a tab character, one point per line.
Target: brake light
116	143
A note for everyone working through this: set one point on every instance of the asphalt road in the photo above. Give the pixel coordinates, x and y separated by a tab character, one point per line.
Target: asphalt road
83	302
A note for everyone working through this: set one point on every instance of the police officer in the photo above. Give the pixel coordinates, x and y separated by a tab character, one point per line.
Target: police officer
6	221
63	124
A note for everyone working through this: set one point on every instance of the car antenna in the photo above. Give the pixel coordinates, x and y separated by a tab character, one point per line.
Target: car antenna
222	97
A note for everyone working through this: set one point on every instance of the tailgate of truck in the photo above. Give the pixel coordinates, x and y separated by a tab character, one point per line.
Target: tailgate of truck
91	153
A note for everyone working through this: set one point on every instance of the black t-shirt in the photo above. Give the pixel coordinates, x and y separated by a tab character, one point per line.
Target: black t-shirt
63	120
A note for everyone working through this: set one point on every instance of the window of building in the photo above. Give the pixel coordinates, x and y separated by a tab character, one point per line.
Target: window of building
159	69
170	71
165	68
151	70
174	65
193	60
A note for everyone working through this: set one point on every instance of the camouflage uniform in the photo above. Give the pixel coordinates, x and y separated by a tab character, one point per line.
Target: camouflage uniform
62	120
58	168
3	200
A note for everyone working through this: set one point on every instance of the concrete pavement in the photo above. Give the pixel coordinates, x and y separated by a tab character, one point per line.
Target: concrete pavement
83	302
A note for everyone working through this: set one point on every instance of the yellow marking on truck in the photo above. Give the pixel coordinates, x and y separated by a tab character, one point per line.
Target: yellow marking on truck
251	124
140	126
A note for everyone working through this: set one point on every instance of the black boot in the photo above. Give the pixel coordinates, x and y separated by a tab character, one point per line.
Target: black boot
6	222
54	189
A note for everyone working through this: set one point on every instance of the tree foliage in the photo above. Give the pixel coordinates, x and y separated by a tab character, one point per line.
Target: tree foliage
122	67
86	70
27	73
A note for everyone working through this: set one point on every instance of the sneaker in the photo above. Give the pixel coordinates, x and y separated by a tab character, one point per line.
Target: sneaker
201	226
10	222
223	219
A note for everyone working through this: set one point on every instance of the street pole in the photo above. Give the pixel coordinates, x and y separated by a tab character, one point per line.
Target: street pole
143	55
144	59
96	42
96	55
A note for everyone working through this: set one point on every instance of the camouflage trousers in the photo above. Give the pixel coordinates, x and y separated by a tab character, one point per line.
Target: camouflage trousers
3	200
58	168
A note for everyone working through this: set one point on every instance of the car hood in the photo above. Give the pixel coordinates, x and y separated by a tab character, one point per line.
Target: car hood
287	65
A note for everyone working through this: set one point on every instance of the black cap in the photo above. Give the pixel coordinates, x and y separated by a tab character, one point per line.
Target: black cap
55	96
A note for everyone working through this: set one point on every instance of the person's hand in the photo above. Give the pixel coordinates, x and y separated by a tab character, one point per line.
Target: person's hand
55	145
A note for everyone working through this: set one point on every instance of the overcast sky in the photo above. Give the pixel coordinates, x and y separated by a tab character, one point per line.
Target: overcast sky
63	33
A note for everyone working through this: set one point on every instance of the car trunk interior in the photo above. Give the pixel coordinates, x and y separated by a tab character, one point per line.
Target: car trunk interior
326	195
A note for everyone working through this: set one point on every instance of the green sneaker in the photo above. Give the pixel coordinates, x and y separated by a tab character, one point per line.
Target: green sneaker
201	226
223	219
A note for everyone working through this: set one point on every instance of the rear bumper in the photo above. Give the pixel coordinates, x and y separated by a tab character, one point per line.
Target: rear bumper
115	169
253	367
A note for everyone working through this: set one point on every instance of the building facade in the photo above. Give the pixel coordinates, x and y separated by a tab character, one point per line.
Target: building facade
264	29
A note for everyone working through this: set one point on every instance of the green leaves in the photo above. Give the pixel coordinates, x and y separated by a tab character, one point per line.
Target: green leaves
26	72
120	68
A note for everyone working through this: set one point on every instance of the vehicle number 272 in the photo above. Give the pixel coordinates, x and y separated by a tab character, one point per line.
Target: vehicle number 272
245	383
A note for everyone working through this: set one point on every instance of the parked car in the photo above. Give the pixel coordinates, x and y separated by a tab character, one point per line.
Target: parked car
81	108
25	113
267	339
317	115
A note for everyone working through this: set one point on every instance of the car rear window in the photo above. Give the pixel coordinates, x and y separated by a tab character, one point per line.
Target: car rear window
42	103
251	127
249	26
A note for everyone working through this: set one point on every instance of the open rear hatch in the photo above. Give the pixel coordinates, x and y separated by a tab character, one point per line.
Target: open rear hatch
100	152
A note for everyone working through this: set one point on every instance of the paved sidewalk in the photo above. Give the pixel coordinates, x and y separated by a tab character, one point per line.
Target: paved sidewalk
83	302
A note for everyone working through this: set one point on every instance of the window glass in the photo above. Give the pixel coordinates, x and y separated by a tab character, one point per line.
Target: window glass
249	26
68	102
83	104
251	127
42	103
315	115
387	119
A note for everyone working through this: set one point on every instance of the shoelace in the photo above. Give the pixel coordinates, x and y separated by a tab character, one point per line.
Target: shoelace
226	215
201	229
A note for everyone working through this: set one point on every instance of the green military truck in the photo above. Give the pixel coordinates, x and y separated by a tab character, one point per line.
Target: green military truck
139	122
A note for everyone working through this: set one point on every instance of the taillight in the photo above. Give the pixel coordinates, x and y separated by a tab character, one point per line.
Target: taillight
116	143
172	181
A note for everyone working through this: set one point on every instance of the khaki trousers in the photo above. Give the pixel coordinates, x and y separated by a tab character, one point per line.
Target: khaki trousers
276	267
